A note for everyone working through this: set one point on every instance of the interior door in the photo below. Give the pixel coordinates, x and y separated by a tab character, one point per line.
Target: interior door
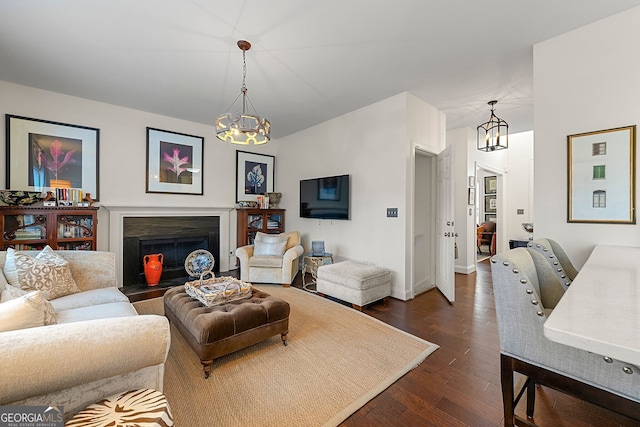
445	231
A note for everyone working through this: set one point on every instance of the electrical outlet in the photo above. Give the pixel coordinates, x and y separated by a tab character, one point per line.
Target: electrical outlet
392	212
520	212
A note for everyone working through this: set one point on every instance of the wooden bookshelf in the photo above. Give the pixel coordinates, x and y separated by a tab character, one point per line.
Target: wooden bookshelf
61	227
250	221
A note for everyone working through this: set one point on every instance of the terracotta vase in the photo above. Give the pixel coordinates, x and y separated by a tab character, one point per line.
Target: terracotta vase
153	268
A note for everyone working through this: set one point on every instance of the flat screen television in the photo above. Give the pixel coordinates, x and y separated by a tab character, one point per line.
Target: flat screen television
325	198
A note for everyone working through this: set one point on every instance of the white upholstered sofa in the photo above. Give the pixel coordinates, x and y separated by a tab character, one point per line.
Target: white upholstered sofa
98	346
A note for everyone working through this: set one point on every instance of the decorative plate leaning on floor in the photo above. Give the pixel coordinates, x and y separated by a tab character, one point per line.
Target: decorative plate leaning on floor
336	361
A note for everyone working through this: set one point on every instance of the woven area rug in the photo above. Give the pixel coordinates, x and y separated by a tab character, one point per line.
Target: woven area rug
336	360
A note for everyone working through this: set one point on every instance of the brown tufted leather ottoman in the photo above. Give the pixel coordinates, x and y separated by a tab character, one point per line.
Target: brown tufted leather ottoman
217	331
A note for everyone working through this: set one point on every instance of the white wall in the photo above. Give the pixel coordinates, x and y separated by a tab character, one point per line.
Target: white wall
585	80
519	191
123	150
375	146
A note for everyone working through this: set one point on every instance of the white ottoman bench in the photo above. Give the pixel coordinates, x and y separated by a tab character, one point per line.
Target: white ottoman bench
350	281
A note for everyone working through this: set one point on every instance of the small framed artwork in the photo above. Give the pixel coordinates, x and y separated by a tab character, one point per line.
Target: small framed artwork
329	188
490	184
43	155
601	176
254	175
472	196
174	162
490	203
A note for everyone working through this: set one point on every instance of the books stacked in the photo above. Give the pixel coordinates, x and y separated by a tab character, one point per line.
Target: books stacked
29	233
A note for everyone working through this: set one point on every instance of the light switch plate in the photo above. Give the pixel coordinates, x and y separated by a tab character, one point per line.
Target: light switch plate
392	212
520	212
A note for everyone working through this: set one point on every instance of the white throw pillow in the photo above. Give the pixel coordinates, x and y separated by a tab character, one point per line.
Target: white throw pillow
46	272
11	293
28	311
270	245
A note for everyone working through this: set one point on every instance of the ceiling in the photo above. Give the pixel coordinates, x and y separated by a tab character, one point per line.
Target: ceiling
310	61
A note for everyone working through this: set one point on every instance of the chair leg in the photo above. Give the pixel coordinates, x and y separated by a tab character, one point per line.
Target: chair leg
506	380
531	398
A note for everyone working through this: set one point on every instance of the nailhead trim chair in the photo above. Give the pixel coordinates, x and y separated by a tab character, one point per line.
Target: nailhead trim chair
557	258
526	289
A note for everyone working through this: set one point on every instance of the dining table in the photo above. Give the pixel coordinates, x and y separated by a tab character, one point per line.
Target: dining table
600	311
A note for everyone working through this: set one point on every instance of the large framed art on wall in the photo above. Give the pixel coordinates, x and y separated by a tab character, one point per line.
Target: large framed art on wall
254	175
174	162
43	155
601	176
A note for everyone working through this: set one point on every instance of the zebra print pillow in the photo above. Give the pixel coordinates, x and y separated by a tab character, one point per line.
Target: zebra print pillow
141	408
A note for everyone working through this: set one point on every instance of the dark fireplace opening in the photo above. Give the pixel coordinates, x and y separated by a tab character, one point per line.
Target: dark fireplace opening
175	238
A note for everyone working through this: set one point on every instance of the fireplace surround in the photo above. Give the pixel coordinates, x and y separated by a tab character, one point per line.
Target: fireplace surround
175	237
161	234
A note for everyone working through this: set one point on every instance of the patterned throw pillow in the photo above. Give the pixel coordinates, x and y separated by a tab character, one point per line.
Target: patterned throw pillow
46	272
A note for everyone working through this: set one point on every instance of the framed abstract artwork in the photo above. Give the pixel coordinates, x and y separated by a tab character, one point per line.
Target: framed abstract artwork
174	162
43	155
254	175
601	176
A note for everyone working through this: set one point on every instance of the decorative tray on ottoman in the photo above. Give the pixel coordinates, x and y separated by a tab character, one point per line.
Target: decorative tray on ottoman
217	290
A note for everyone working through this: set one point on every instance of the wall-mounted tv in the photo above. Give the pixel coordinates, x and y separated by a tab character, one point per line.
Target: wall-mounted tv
325	198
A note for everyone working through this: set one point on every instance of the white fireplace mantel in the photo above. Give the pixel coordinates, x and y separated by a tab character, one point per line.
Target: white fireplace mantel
118	213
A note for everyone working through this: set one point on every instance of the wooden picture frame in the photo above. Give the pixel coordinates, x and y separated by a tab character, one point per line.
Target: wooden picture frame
254	175
43	155
174	162
601	176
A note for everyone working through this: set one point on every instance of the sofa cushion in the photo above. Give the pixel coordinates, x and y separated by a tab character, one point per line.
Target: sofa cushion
89	298
270	245
265	261
46	272
28	311
100	311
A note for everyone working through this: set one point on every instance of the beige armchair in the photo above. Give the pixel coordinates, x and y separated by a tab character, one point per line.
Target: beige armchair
273	258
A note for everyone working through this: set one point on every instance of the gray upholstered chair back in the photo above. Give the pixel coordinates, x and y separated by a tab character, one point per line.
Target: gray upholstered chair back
526	289
557	258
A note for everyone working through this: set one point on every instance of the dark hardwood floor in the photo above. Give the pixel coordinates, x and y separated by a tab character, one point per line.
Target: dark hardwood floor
459	384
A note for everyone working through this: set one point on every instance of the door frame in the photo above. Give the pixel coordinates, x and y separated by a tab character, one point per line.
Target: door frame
420	151
501	226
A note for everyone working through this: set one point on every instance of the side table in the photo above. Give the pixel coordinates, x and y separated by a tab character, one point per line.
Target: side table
310	263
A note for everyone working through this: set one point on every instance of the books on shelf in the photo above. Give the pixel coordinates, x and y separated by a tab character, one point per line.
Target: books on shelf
29	233
74	227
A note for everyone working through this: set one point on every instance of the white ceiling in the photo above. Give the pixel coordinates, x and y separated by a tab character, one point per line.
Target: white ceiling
310	61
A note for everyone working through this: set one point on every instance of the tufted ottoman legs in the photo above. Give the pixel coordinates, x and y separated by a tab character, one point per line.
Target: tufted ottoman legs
217	331
357	283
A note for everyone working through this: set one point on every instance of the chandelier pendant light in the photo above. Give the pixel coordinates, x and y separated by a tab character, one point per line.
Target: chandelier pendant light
243	128
494	134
